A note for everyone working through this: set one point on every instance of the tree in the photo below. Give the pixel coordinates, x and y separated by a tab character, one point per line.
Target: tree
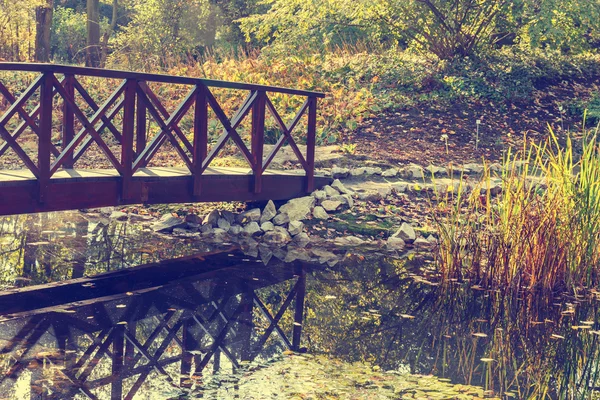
43	24
445	28
93	55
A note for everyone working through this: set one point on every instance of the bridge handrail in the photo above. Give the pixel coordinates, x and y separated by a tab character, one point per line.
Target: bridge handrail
149	77
139	104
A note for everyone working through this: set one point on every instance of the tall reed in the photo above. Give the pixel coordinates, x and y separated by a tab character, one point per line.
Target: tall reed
541	233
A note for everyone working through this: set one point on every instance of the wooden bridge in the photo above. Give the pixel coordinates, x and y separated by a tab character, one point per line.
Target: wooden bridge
51	125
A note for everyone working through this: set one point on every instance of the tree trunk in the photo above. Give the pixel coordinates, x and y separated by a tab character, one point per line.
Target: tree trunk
92	58
106	36
43	23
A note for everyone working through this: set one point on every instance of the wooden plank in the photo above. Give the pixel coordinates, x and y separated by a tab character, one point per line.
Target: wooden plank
117	74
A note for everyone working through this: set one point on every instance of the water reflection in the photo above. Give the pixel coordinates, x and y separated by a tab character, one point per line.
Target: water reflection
210	312
393	313
41	248
138	332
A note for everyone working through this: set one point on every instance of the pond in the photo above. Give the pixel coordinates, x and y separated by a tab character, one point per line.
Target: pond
127	313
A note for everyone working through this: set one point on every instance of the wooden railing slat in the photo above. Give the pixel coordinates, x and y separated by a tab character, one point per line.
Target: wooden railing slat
140	76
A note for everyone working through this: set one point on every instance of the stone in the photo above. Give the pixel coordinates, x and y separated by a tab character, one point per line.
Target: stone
339	198
296	254
415	172
219	232
301	239
183	232
323	255
223	224
281	219
422	243
432	239
357	171
118	216
229	216
339	186
373	171
390	173
269	212
348	241
251	228
278	236
395	243
193	227
319	195
340	173
212	218
206	229
295	227
235	229
371	195
249	216
473	168
167	223
436	171
399	187
320	213
349	200
265	253
329	191
193	219
298	209
385	191
267	226
331	205
323	172
496	167
406	233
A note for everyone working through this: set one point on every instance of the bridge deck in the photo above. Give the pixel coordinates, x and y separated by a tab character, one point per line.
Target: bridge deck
90	188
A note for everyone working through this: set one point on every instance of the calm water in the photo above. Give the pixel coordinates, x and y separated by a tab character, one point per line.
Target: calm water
128	335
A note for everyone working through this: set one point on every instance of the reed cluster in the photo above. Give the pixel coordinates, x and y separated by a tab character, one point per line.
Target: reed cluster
541	233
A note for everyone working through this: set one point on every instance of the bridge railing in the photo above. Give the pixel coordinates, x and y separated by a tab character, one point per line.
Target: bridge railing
137	105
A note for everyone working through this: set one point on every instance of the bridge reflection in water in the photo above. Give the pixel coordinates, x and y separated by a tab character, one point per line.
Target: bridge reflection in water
125	333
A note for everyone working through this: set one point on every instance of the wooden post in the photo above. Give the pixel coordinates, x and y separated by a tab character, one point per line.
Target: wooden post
68	122
189	344
127	138
310	144
140	126
246	324
258	138
45	138
118	345
200	138
299	310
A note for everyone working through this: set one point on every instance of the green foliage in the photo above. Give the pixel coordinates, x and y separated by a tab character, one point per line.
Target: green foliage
17	36
69	35
165	32
567	25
